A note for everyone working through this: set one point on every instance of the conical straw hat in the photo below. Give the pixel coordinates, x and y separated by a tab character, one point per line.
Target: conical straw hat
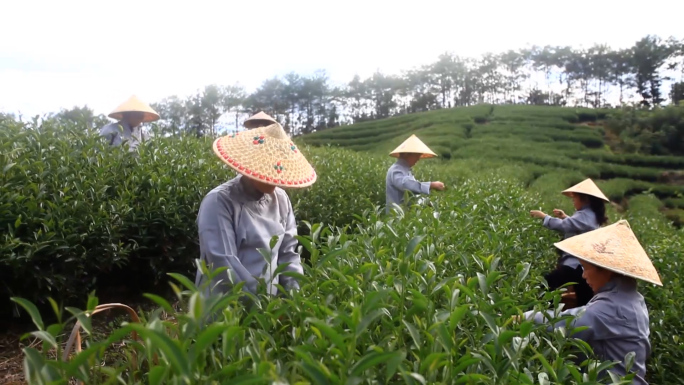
259	119
266	154
413	145
137	105
588	187
613	247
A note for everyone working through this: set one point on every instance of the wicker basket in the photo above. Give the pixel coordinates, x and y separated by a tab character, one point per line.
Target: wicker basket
75	337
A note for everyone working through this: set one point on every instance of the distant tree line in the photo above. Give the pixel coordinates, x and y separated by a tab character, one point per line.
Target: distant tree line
549	75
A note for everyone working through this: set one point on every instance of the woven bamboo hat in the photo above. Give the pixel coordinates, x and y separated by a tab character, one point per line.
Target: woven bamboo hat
266	154
615	248
259	119
413	145
133	104
588	187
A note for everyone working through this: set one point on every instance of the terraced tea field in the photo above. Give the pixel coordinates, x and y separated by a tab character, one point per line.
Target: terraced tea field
569	143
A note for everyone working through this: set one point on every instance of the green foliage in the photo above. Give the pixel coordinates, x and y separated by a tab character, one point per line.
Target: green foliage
425	297
660	132
399	300
78	215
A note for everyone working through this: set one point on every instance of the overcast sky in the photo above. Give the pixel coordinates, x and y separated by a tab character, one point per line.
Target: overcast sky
59	54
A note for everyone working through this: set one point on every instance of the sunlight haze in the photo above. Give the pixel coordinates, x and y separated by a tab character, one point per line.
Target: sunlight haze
57	55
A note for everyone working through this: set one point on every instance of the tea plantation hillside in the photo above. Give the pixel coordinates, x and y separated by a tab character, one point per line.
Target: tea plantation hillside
426	297
570	142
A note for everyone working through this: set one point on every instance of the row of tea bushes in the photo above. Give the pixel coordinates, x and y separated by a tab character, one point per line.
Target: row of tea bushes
77	215
426	297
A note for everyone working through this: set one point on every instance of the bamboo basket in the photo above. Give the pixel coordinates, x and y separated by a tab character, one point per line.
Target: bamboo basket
75	336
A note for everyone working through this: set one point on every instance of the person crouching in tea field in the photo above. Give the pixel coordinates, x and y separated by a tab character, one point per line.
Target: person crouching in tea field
242	215
399	176
589	202
259	119
129	115
617	317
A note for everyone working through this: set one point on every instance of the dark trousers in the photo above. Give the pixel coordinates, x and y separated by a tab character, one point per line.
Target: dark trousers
566	274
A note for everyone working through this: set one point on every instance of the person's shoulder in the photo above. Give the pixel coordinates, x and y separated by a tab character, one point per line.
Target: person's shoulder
111	128
224	193
397	168
586	212
603	305
281	195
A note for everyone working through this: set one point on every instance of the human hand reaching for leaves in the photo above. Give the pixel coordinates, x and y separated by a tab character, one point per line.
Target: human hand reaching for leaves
559	213
537	214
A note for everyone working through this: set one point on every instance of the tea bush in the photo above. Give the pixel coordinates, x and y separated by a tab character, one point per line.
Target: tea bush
426	297
78	215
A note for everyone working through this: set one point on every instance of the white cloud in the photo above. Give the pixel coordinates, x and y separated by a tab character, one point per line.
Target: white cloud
66	53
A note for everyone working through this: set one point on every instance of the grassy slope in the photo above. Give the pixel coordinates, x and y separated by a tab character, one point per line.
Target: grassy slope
552	142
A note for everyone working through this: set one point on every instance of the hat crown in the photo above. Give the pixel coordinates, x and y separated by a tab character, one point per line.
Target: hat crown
276	131
256	120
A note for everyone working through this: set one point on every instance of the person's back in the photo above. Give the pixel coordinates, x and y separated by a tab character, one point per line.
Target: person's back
392	192
621	326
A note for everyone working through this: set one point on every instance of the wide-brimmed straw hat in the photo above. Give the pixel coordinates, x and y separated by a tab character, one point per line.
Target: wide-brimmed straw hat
266	154
133	104
259	119
413	145
588	187
615	248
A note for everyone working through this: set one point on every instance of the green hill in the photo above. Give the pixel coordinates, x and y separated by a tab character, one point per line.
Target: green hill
551	142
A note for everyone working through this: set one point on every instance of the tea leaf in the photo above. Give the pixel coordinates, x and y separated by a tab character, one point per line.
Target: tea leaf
32	310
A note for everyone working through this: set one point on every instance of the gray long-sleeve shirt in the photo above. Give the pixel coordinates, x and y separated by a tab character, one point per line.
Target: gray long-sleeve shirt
618	323
234	221
582	221
399	179
120	132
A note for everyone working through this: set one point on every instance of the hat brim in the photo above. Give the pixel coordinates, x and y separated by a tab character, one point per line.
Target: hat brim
610	268
147	116
422	154
568	193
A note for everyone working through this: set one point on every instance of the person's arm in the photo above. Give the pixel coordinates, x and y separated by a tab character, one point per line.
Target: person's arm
588	318
405	181
288	253
109	132
217	240
575	223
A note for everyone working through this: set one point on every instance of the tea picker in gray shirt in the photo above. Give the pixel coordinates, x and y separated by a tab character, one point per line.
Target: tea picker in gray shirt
589	201
616	317
129	115
238	218
399	176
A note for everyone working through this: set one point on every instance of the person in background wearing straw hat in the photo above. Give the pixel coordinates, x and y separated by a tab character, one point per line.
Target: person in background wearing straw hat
589	202
259	119
130	115
241	216
399	176
617	316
